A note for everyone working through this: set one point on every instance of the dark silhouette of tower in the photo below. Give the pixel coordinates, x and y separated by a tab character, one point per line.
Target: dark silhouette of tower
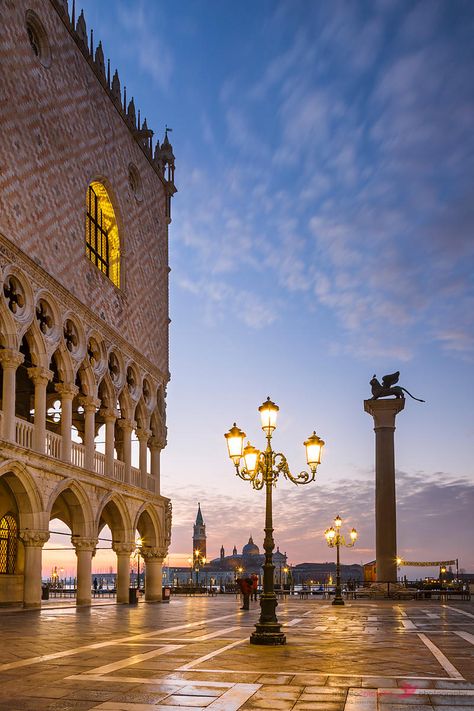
199	534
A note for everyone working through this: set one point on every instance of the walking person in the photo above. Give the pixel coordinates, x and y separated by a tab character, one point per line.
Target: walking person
253	595
245	587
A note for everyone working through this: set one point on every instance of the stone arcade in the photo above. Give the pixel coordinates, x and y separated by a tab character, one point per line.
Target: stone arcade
84	215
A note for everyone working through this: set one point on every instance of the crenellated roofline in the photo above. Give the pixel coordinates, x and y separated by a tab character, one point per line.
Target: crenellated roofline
161	157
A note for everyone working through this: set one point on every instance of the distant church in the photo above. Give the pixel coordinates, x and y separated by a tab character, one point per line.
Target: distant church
250	560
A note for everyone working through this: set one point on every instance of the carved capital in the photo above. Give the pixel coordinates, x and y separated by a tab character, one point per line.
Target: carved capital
123	548
66	390
10	359
33	539
90	404
155	553
156	443
39	375
126	425
84	544
143	435
108	415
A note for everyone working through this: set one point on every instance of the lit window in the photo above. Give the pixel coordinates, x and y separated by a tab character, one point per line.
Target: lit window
102	238
8	544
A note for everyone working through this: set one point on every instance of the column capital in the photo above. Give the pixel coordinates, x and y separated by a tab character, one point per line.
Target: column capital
10	358
126	425
67	390
384	411
154	553
39	375
142	434
108	415
90	404
84	544
121	548
34	539
156	443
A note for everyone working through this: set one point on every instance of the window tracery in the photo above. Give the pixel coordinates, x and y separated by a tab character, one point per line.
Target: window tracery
102	238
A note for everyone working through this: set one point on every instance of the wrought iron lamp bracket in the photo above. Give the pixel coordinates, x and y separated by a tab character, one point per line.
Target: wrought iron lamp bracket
282	467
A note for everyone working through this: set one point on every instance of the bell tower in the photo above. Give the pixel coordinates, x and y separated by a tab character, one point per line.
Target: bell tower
199	534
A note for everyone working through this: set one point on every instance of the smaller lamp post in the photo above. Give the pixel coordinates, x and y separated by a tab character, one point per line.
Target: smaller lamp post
335	539
138	544
198	562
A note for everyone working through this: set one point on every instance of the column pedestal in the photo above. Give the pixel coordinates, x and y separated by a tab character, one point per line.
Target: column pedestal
384	413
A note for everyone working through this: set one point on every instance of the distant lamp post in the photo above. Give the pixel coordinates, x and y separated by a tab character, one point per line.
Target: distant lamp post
197	562
263	469
335	539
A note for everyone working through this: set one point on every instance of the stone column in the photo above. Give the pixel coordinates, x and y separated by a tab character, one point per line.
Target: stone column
109	417
384	412
123	551
153	558
10	361
85	551
33	542
40	377
155	452
68	393
143	436
127	427
90	406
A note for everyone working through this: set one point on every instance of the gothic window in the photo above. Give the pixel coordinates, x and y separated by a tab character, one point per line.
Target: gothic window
102	238
8	544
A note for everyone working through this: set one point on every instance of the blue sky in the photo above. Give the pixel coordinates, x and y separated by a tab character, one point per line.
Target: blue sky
322	232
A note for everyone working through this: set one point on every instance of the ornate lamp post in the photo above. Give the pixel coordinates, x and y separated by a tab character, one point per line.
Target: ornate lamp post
335	539
263	469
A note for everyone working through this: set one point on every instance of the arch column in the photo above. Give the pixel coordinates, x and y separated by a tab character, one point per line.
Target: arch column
127	427
109	417
33	542
85	551
90	406
123	552
155	452
153	558
143	436
40	377
68	393
10	361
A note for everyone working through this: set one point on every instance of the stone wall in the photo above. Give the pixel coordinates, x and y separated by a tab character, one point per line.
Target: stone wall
60	130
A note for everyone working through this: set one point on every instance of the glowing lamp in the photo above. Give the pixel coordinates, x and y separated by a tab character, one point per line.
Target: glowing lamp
235	443
314	446
251	455
268	415
338	522
353	535
330	534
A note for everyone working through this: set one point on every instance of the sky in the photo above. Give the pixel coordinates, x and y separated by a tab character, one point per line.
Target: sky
322	232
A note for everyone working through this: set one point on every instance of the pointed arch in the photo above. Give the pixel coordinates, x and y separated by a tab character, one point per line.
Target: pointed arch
70	503
147	523
114	513
25	492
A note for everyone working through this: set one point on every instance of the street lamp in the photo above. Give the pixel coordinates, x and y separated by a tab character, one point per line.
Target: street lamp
263	469
138	545
197	562
335	539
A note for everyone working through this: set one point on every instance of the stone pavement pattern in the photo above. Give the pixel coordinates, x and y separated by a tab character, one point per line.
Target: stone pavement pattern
195	654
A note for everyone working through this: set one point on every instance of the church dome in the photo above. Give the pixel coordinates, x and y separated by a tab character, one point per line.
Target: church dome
250	548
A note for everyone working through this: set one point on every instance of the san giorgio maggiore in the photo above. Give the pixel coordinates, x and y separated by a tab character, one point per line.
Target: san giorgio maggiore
224	570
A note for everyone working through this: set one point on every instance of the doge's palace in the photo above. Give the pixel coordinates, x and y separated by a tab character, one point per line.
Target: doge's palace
85	204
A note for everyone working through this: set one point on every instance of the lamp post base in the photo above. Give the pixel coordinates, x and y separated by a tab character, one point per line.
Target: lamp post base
268	633
338	601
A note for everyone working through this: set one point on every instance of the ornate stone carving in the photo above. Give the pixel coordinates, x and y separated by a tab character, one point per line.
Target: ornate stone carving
40	375
10	359
168	521
34	539
123	548
84	544
154	553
